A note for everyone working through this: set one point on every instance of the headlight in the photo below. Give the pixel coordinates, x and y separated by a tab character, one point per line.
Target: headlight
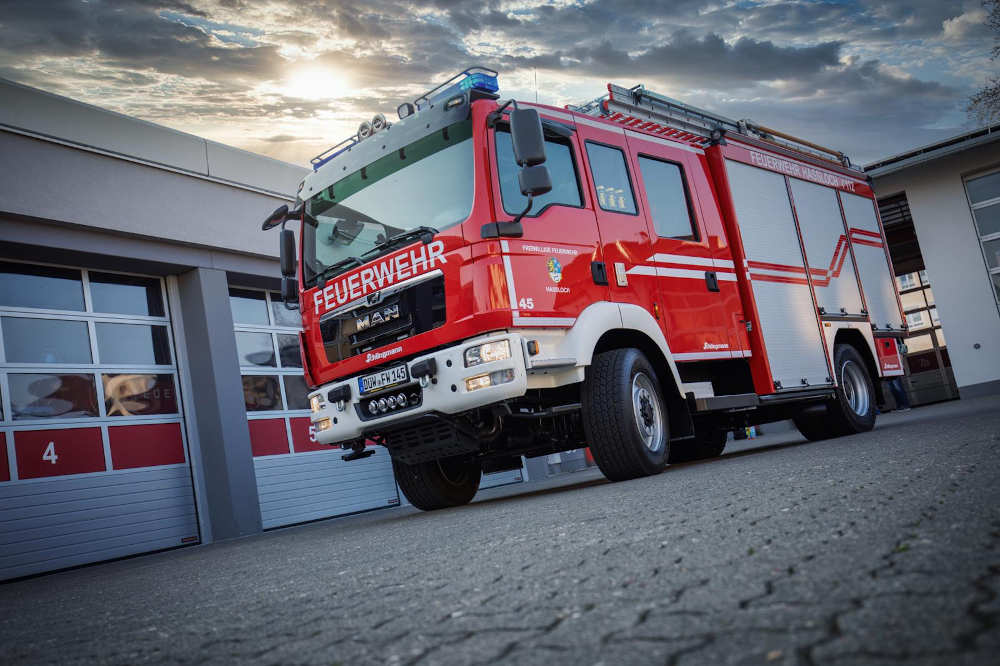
486	353
323	424
315	404
492	379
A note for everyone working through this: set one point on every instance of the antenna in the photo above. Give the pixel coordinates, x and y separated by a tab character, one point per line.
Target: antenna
536	84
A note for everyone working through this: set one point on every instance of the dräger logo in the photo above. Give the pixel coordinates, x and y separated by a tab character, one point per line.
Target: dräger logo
372	278
713	345
378	356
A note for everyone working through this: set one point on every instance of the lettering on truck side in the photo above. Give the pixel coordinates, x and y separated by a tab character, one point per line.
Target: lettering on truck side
386	272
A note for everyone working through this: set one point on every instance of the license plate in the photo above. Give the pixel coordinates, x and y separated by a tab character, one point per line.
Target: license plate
379	380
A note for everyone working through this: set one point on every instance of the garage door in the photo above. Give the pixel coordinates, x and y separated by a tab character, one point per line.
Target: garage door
297	479
93	456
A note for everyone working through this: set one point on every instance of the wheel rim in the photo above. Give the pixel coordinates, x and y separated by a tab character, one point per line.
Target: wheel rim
648	412
855	388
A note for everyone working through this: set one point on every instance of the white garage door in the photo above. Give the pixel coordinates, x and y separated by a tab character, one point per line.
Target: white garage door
93	456
297	479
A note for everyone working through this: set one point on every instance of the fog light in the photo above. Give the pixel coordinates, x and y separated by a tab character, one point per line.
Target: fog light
486	353
391	401
401	400
492	379
382	404
323	424
314	404
373	407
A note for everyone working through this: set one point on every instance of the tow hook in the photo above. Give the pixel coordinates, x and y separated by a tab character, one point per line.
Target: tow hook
424	371
358	451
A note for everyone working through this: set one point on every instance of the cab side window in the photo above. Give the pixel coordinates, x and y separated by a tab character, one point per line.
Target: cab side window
558	158
611	180
669	203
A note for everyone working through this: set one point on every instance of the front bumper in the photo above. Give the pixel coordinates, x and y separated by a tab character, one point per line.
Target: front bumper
445	392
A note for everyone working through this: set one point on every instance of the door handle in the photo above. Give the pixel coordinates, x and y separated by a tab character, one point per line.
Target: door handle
712	280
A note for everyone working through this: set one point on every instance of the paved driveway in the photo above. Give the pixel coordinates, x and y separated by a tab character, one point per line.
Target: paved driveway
876	548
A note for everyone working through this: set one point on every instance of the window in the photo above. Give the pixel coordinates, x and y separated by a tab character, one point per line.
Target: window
89	346
559	160
906	281
267	343
611	180
984	197
666	192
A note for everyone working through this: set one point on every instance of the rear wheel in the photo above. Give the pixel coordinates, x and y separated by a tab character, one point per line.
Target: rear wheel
625	416
438	484
853	408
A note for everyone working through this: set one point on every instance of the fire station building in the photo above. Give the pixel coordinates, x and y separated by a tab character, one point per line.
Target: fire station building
940	206
151	390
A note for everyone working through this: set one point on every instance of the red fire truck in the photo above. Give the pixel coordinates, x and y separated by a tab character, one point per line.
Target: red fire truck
484	280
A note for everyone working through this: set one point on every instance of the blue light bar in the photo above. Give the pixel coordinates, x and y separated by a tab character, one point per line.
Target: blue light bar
480	81
473	78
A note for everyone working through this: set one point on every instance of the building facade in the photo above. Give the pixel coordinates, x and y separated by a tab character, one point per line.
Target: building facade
151	390
940	205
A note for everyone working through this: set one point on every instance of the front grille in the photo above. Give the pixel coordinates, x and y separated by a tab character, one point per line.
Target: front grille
424	438
414	310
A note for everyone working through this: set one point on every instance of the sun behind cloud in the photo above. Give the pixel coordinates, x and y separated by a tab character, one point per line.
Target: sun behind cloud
310	82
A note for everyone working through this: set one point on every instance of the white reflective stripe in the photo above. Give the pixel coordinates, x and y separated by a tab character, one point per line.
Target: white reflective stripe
744	353
680	273
549	112
726	277
641	270
665	142
702	356
505	247
607	126
681	259
693	274
543	321
725	263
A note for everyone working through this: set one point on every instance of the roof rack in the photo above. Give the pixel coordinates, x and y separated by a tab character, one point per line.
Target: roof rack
640	108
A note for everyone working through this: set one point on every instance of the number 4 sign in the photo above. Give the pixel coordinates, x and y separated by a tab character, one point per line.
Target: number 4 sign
50	453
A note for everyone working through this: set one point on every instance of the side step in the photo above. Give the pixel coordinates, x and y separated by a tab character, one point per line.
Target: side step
719	403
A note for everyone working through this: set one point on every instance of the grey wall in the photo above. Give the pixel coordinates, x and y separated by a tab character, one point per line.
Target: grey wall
952	254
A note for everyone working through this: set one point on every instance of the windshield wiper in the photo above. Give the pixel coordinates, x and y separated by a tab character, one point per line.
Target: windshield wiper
425	234
338	268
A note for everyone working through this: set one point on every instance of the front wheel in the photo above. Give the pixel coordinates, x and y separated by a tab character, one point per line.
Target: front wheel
853	408
625	416
438	484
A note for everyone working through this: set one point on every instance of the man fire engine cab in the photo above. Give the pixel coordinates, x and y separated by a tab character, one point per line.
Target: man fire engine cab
484	280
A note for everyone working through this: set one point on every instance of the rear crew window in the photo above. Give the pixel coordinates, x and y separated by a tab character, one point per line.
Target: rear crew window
669	205
559	160
614	189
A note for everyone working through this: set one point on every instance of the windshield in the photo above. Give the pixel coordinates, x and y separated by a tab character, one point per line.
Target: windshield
428	183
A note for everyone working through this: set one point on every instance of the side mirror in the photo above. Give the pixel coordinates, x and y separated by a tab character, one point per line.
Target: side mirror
527	136
290	292
288	253
534	180
279	215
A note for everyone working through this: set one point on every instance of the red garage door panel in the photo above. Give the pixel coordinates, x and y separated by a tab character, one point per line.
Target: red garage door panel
268	437
146	445
57	452
4	467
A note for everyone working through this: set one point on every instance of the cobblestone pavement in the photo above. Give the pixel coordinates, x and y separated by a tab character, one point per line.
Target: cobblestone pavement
876	548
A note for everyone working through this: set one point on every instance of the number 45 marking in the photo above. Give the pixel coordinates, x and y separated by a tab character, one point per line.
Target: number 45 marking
50	453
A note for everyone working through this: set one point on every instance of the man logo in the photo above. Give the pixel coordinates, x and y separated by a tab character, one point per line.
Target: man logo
378	317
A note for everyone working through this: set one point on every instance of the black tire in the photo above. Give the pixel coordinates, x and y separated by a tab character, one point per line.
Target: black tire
852	410
708	442
617	431
438	484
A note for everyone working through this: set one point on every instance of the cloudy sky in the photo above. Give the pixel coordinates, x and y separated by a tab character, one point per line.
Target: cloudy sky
287	78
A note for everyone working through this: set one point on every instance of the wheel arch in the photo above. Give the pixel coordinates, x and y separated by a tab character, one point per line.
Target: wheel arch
854	338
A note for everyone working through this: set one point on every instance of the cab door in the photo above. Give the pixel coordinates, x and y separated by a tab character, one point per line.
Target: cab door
548	268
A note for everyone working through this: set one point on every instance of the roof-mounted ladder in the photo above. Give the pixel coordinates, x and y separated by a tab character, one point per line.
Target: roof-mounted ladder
643	109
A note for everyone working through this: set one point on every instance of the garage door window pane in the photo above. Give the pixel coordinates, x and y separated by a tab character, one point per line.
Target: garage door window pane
282	315
295	391
288	348
255	349
261	393
996	284
46	396
984	188
992	251
45	340
137	395
27	286
125	294
249	307
133	344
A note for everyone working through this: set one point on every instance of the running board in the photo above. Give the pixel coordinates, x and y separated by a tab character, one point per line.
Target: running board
795	396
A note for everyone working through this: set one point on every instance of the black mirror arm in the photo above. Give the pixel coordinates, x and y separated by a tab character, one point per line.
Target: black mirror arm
495	115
